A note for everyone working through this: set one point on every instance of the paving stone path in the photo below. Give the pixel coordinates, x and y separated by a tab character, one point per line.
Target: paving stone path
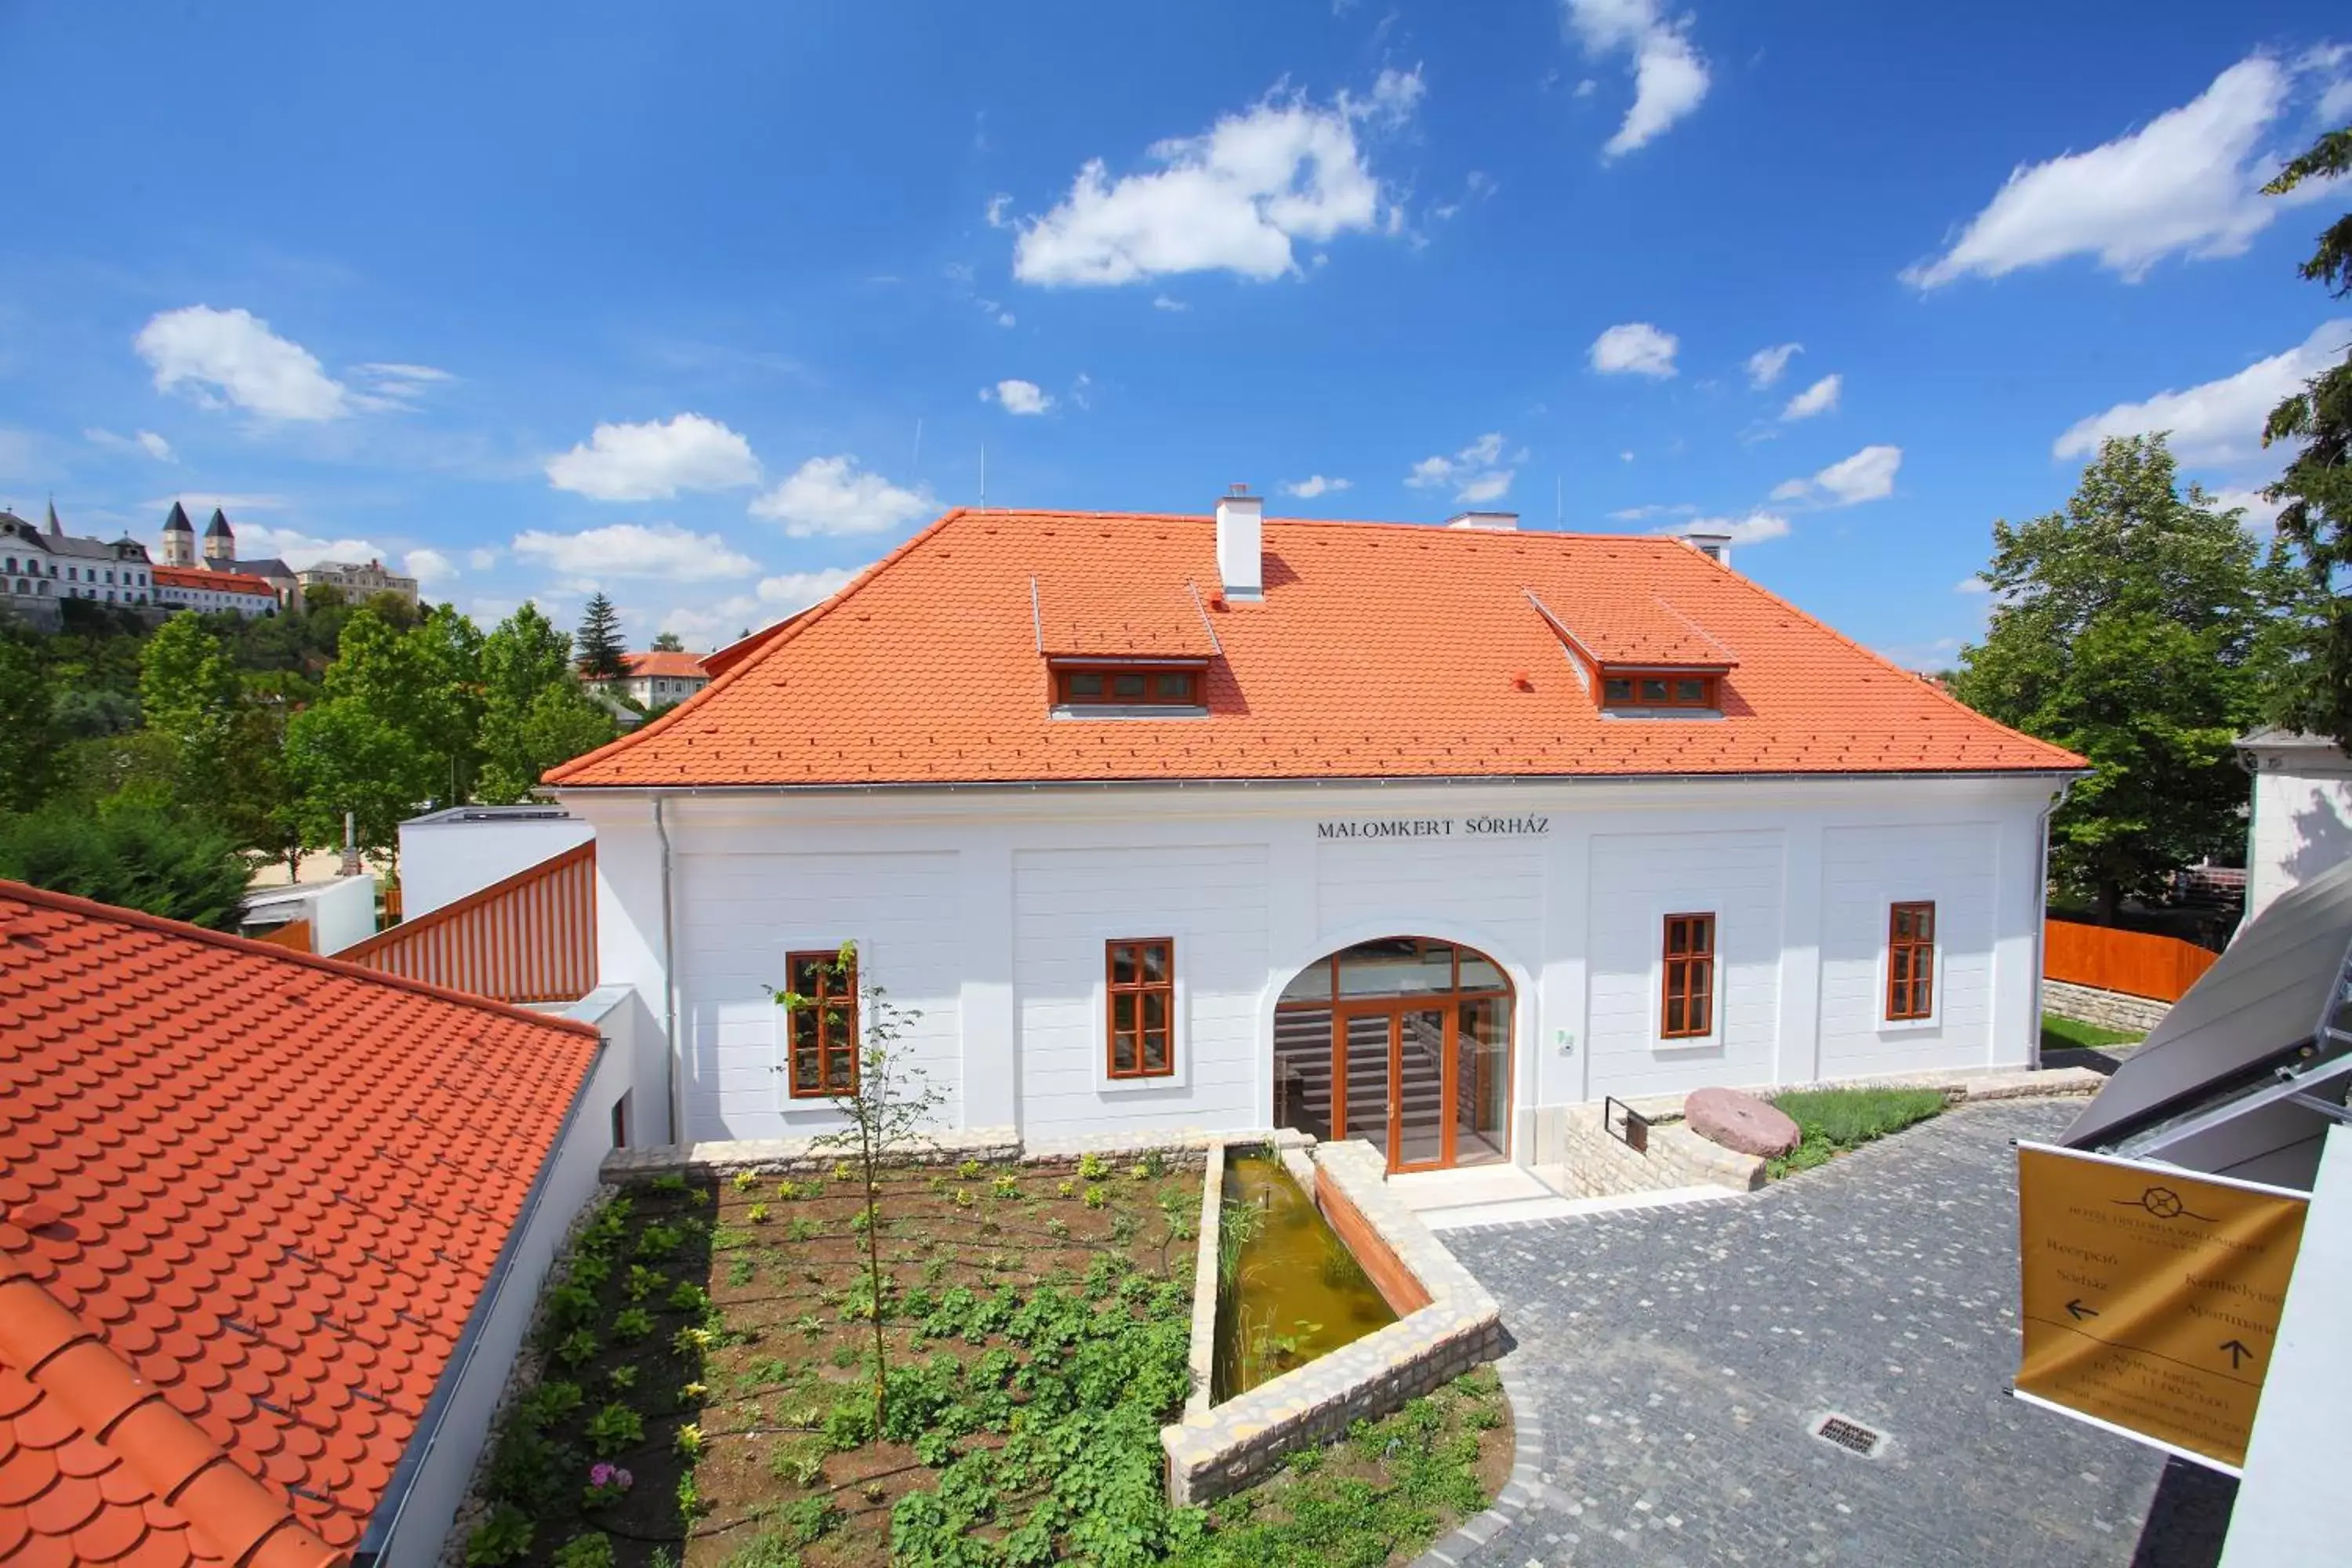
1673	1362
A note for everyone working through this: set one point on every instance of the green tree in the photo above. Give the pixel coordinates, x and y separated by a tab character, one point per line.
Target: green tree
603	656
534	715
2316	523
136	856
445	653
31	728
343	756
188	692
668	642
2135	627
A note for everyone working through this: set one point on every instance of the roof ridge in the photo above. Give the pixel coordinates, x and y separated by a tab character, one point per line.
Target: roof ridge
790	629
114	1407
90	908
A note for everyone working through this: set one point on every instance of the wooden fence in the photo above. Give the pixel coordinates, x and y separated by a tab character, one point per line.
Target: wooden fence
2106	958
531	938
295	934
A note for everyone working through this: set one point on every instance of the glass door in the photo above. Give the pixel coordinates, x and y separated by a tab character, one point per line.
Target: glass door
1365	1045
1421	1091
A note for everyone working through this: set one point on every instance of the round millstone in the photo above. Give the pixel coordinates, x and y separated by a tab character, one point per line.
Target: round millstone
1740	1121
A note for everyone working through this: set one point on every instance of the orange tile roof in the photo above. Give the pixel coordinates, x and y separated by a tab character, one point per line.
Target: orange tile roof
219	581
667	662
248	1199
1379	650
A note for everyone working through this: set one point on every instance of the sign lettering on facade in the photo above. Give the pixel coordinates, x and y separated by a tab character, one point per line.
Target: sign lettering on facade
1436	828
2151	1297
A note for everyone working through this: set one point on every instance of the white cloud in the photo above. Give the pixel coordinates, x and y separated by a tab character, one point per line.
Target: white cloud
1971	585
481	559
1868	475
792	590
1753	529
1234	199
2219	421
231	358
2261	511
392	386
998	206
1669	76
712	627
1765	365
1017	396
428	566
1476	473
1635	348
2189	182
834	495
1643	514
1162	302
1587	88
660	550
258	540
1310	487
655	460
146	443
1818	398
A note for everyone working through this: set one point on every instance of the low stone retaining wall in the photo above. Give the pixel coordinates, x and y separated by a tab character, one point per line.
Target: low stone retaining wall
1218	1449
2108	1009
990	1145
1583	1159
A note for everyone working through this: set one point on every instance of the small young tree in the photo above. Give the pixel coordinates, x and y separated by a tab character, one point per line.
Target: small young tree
887	1100
603	656
670	642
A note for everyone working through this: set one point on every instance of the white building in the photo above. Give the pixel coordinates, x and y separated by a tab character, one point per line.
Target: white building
358	580
188	589
661	676
446	855
2302	820
1418	835
39	562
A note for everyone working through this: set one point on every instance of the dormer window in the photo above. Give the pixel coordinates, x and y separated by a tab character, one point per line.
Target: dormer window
1661	690
1113	687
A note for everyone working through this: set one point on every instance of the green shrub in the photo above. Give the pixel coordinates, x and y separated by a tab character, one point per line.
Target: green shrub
615	1429
502	1538
632	1323
549	1403
593	1550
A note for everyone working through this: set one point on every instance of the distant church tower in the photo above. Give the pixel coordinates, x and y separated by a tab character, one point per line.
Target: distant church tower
220	542
179	539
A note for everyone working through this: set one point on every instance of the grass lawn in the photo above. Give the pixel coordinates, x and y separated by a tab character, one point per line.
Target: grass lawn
1836	1120
2069	1035
707	1400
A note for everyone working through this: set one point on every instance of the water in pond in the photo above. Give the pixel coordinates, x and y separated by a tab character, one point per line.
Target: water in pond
1288	1289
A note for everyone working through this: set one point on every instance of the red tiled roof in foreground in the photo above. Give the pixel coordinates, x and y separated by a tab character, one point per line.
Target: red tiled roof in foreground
1379	650
247	1200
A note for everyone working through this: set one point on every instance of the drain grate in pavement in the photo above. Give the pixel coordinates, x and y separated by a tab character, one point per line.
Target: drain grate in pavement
1852	1436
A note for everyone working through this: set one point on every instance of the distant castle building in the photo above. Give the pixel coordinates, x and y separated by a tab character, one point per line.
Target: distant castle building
220	555
358	581
41	566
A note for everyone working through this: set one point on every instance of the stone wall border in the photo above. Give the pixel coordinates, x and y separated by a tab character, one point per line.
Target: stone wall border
1522	1489
2108	1009
1216	1450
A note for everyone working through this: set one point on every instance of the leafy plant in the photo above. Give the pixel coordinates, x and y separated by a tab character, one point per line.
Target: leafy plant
798	1464
689	1297
593	1550
632	1323
1097	1198
548	1403
623	1377
614	1429
1093	1167
745	1179
607	1483
756	1213
689	1442
659	1240
643	1282
787	1191
577	1347
968	1169
501	1538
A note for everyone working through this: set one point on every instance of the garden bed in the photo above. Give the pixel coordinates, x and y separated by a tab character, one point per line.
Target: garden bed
713	1341
1836	1121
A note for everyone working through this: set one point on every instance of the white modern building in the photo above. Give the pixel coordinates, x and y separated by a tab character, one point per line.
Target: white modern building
446	855
2302	817
1419	835
186	588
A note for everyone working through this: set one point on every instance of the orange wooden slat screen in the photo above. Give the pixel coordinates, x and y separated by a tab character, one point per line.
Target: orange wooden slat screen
2134	962
295	934
531	938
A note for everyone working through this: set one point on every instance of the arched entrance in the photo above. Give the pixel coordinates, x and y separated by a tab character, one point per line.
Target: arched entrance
1404	1042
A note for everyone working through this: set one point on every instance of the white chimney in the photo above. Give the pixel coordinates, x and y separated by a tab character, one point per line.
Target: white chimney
1505	521
1241	544
1716	547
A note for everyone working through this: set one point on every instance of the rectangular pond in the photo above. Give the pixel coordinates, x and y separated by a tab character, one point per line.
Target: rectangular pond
1288	1289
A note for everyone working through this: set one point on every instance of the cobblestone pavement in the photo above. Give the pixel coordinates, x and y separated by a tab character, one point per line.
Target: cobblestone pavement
1673	1362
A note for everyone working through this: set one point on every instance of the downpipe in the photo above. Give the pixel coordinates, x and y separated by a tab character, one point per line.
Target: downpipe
669	983
2041	914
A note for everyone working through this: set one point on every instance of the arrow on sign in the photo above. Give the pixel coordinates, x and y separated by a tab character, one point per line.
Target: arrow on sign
2076	1310
2238	1349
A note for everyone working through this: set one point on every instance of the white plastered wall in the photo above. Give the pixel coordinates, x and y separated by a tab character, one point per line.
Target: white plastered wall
2302	820
987	910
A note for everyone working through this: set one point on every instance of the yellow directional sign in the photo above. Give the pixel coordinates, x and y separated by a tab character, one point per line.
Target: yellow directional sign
2152	1296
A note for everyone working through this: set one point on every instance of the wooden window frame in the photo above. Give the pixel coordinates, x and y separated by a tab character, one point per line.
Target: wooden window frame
1139	989
1911	962
1192	697
832	1015
1710	685
1687	977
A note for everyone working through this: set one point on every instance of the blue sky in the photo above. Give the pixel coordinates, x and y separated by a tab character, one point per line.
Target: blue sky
711	305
